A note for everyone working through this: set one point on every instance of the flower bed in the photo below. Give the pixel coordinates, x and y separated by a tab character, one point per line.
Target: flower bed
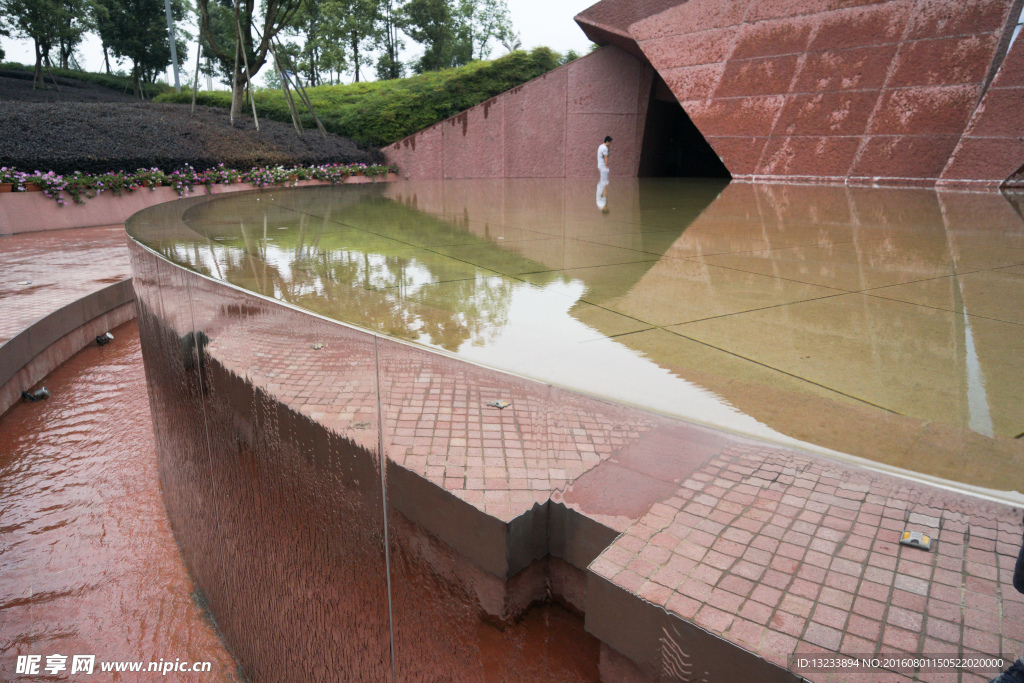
81	186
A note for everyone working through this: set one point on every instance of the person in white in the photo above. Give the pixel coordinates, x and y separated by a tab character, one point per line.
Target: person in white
602	156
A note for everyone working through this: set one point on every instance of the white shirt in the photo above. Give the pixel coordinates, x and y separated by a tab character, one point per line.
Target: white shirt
602	153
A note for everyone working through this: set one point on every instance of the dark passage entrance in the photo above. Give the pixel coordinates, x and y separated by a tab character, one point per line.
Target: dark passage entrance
673	147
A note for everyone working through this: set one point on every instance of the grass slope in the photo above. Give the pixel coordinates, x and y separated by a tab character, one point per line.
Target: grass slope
382	112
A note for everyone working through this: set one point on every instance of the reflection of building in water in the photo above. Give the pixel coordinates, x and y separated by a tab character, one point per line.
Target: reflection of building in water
879	323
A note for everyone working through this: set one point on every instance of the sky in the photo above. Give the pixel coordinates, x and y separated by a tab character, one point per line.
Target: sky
539	22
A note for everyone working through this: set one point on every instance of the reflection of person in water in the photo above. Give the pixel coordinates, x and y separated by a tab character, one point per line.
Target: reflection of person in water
602	166
602	193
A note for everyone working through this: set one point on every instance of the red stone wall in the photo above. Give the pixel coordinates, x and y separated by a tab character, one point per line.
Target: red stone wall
992	149
863	91
832	89
549	127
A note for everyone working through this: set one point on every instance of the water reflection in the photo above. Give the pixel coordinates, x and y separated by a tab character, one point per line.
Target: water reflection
344	265
884	323
602	194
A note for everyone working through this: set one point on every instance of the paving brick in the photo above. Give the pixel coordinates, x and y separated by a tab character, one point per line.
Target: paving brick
900	639
830	616
911	584
756	612
824	636
904	618
684	606
725	601
713	619
911	601
943	630
747	633
945	610
836	598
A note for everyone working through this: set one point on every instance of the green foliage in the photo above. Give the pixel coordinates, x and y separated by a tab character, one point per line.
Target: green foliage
136	30
52	25
219	26
432	24
484	21
455	32
112	81
383	112
339	36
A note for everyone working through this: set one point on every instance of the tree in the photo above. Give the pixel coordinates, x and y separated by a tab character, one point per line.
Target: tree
222	24
136	30
484	20
455	32
33	20
246	57
355	27
389	21
432	24
100	24
310	23
5	32
70	23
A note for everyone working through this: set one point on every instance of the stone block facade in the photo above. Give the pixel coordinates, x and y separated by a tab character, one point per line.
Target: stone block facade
547	128
825	90
894	92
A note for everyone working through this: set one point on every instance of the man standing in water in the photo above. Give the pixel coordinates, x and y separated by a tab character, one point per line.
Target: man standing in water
602	157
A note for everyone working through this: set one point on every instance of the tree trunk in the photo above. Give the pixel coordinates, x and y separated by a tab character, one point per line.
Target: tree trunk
236	85
106	59
37	76
237	95
355	53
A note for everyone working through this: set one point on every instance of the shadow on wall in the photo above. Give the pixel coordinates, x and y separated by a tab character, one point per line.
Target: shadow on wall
673	147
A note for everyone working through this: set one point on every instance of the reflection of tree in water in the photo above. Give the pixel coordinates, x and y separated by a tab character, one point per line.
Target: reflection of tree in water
352	273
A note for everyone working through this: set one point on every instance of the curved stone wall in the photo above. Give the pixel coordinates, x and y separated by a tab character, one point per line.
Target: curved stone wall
22	212
353	509
293	454
37	350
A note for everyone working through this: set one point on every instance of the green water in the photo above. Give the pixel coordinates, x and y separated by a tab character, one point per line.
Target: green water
881	323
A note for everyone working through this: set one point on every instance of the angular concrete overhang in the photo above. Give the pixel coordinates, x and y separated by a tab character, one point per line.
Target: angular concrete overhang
608	22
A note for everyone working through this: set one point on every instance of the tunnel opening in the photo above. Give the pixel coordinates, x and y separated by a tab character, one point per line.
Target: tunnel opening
673	147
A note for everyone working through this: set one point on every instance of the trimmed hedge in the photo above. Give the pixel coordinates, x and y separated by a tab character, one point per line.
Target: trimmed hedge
382	112
114	82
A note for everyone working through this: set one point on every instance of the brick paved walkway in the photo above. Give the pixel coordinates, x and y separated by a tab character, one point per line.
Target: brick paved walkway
783	553
61	265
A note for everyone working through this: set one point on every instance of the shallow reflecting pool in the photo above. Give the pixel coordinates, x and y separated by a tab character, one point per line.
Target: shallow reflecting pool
886	324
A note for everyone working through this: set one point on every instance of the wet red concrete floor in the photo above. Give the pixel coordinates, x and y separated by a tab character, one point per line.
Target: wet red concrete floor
42	271
88	564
